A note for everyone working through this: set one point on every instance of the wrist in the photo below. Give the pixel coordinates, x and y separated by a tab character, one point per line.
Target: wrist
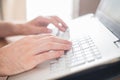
18	29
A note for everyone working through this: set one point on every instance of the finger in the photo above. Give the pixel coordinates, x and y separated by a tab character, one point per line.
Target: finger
56	39
58	46
56	23
51	46
42	36
39	21
48	55
59	23
52	38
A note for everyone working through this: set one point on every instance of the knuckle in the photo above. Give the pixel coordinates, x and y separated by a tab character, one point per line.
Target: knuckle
52	38
49	44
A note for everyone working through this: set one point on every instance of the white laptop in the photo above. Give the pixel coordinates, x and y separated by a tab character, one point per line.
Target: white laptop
95	42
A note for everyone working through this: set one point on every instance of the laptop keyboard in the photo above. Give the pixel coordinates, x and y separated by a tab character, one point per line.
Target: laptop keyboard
83	51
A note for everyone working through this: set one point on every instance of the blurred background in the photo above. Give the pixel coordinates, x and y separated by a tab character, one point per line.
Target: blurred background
18	10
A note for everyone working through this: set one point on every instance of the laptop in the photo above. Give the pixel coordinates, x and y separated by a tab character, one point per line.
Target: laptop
96	42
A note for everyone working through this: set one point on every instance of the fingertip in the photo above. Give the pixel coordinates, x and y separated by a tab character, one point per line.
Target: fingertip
59	54
62	29
65	26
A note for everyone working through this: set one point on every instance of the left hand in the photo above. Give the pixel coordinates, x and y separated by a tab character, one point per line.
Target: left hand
27	53
39	25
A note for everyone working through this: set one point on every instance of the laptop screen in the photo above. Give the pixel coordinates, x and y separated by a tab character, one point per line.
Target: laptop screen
109	14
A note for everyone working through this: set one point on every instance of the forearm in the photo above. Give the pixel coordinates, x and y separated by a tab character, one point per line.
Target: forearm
8	29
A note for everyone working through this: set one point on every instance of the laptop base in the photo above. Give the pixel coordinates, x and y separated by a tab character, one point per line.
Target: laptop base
106	72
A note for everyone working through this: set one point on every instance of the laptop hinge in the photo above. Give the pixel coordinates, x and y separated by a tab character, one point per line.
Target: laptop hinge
117	43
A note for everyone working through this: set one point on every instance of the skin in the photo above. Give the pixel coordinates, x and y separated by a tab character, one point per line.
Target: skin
27	53
35	26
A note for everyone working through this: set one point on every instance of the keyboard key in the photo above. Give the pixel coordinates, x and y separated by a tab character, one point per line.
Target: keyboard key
82	61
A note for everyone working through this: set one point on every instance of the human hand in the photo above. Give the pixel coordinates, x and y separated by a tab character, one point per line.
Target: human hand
30	51
39	25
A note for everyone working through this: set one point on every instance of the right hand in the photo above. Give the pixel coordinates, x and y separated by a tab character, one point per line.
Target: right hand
39	25
30	51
